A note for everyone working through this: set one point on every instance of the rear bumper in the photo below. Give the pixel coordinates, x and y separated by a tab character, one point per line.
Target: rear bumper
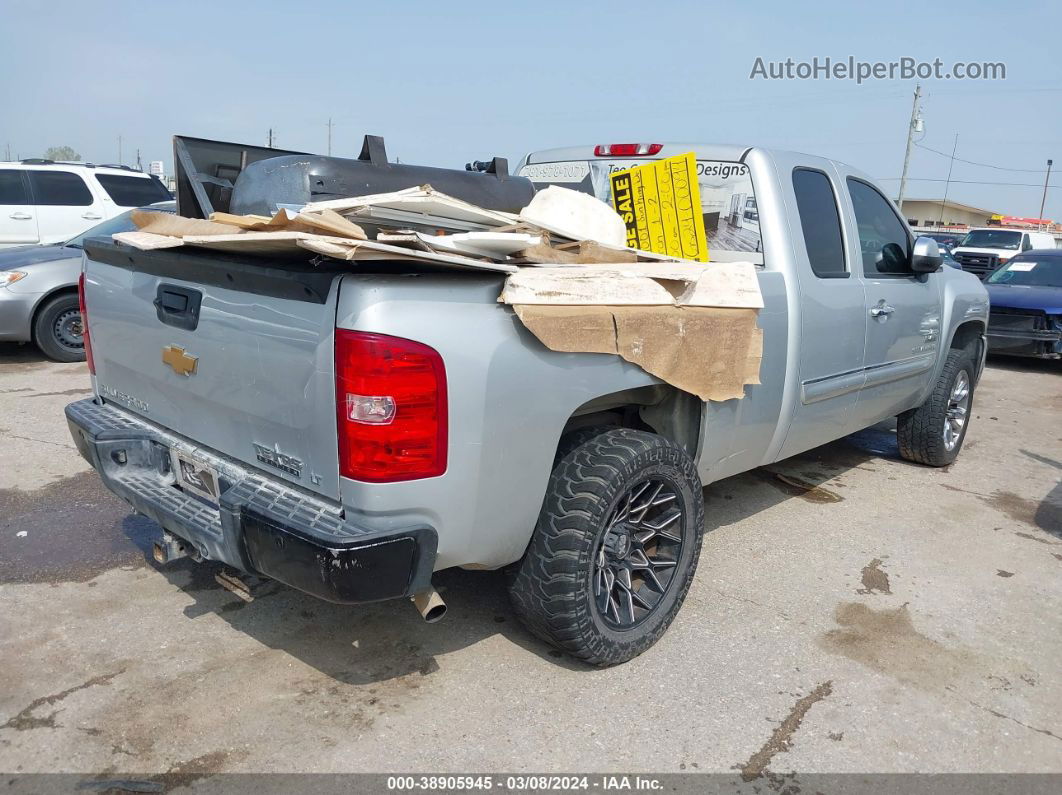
261	525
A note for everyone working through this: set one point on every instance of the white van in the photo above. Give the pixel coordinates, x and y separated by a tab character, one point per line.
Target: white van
44	202
985	249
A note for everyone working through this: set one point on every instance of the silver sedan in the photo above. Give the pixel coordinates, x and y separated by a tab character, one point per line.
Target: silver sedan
38	291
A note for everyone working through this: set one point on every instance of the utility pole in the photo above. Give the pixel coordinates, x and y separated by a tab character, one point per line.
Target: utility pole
119	150
947	183
915	120
330	135
139	165
270	137
1043	201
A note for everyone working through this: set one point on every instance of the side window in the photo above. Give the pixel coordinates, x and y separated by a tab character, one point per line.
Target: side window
1025	244
883	238
59	188
133	191
821	223
12	188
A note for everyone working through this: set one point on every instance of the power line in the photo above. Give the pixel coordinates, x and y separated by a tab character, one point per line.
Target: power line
970	182
975	163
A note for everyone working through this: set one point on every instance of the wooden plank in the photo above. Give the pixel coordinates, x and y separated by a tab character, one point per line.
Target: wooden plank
367	250
159	223
728	285
146	241
264	243
543	253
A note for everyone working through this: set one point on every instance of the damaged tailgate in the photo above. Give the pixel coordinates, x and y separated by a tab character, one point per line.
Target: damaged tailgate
221	348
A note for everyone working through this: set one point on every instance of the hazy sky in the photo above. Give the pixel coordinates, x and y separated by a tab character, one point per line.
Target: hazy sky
445	83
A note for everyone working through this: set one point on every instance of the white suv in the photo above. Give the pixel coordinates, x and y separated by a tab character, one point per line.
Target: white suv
44	202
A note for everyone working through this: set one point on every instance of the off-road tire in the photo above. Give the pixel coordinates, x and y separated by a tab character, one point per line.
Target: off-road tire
46	335
551	589
919	432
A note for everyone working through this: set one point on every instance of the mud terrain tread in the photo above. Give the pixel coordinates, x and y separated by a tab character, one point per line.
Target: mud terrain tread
548	589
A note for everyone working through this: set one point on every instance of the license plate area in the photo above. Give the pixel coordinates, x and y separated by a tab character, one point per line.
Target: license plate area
195	477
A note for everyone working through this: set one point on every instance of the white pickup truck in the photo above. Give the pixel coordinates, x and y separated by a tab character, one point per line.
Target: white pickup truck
231	401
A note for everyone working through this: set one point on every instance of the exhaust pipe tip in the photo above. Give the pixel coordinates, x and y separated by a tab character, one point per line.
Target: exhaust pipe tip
430	605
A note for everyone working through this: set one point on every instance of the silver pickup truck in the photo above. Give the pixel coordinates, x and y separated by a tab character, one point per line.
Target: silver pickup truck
229	395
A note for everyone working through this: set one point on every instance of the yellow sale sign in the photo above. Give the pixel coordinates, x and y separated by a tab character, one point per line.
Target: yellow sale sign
660	203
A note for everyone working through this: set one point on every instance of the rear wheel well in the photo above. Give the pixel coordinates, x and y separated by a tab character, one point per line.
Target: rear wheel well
661	409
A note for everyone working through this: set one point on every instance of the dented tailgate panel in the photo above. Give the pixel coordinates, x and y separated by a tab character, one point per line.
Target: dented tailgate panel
250	375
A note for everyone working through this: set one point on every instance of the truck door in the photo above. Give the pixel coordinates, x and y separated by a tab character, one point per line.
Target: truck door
831	300
902	309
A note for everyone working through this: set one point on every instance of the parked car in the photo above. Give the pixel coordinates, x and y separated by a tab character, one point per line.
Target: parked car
1026	306
983	250
38	291
228	393
948	259
44	202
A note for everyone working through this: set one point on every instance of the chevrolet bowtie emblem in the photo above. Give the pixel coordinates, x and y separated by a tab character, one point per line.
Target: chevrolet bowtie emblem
181	362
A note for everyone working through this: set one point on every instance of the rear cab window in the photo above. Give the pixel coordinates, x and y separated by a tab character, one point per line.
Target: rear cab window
59	189
820	221
130	191
728	201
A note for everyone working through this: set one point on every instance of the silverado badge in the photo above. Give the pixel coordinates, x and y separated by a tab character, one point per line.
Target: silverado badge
181	362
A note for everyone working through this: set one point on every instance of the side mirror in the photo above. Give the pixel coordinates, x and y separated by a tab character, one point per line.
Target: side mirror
925	257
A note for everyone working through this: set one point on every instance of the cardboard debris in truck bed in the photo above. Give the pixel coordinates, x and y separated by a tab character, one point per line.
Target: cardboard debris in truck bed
571	281
710	352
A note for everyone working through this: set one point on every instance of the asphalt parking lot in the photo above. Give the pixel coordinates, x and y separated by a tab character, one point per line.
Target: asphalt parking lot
852	612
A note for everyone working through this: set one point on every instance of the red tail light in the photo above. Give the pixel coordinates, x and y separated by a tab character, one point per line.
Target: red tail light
391	407
627	150
84	323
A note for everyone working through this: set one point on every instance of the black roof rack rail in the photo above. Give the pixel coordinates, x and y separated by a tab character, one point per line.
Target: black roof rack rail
40	161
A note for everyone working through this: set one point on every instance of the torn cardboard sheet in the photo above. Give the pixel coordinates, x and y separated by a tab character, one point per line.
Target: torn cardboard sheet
158	223
730	284
707	351
320	222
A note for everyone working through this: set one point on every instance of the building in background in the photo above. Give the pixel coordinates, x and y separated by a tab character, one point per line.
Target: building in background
945	215
929	213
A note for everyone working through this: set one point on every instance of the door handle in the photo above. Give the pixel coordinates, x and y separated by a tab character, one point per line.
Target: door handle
882	310
20	216
91	216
